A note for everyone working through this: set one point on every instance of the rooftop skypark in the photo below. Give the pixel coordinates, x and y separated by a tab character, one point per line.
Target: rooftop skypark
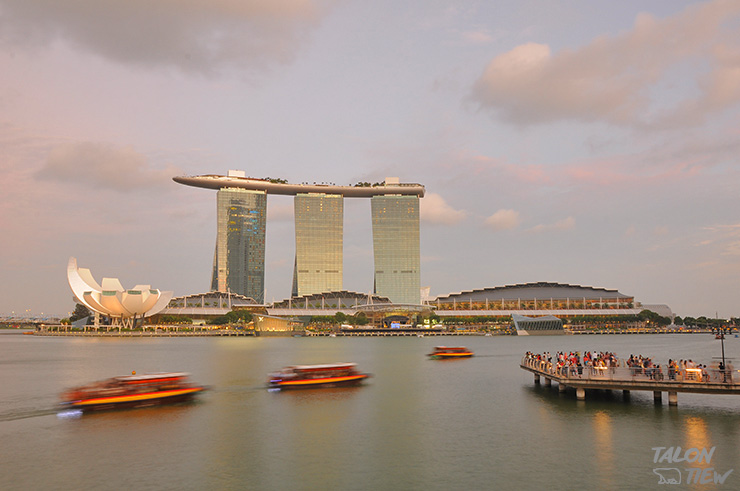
238	179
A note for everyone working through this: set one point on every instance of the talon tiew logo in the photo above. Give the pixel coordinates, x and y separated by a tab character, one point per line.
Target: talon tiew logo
687	475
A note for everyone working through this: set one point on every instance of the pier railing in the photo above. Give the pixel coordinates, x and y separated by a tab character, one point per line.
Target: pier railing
634	374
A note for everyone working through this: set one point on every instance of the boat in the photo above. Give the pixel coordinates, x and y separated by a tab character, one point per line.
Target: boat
132	391
450	352
313	376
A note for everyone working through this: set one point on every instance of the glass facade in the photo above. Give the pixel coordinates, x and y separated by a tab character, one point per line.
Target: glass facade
239	260
396	247
319	228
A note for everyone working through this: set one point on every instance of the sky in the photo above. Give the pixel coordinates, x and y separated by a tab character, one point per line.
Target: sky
579	142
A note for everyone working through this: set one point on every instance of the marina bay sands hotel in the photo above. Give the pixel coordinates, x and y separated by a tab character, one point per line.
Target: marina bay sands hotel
239	259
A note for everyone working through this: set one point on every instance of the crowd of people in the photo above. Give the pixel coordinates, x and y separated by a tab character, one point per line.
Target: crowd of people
643	365
687	369
573	364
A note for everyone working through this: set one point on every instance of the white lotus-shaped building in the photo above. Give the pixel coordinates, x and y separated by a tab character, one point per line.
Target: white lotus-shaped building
111	299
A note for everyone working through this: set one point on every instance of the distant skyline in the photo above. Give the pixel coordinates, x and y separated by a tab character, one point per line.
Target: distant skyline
589	143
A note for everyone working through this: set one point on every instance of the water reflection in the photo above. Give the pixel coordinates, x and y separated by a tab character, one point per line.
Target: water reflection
697	437
602	425
317	395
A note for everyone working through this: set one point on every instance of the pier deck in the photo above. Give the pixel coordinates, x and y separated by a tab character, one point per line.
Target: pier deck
629	379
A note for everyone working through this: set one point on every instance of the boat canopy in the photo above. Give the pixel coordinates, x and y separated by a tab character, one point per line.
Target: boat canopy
330	366
151	376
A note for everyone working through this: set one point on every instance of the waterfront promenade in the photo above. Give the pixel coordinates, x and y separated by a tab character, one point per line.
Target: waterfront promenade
626	379
141	333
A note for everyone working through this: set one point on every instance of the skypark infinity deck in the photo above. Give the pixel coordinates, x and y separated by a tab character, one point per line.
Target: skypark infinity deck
270	187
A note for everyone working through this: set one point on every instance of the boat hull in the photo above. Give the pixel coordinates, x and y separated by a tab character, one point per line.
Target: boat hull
450	356
134	400
347	381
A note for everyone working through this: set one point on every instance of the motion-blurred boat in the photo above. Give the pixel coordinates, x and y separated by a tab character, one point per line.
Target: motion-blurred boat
450	352
132	391
312	376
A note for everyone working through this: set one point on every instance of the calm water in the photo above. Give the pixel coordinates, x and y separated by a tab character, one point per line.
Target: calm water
479	423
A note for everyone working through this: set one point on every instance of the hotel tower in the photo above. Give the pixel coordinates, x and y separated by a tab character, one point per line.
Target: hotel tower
396	248
319	225
239	260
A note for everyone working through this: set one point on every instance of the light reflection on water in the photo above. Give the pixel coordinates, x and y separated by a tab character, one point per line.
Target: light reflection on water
604	446
417	424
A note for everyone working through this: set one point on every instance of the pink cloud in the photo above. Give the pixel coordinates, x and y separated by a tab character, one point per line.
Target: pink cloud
610	79
568	223
726	238
435	210
529	173
503	220
477	37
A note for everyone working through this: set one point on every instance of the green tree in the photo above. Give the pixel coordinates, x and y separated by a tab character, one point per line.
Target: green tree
233	317
80	312
657	319
175	319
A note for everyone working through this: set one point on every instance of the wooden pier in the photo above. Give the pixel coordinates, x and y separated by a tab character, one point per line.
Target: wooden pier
413	332
628	379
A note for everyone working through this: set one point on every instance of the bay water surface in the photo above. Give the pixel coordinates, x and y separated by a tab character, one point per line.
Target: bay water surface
479	423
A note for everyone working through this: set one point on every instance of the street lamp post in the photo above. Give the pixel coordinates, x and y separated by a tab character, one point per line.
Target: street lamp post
720	332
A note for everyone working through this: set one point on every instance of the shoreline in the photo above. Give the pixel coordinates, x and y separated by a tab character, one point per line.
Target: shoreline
249	333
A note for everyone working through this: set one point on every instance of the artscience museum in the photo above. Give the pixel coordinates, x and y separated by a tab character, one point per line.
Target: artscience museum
110	299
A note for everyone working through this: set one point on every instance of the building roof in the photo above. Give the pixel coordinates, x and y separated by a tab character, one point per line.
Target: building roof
347	298
531	291
212	181
208	303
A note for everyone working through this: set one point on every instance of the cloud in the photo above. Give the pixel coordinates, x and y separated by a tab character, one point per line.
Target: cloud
503	220
527	173
661	230
732	249
433	209
481	36
559	226
612	79
725	237
191	35
101	165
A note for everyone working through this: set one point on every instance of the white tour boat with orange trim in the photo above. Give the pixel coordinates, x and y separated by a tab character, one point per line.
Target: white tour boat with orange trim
132	391
450	352
313	376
